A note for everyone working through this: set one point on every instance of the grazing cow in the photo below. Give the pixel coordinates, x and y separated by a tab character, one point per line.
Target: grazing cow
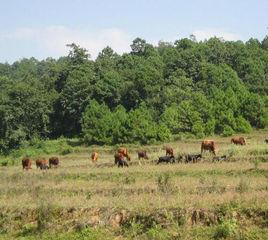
41	163
124	151
208	145
166	159
142	154
220	158
266	140
94	157
53	161
122	163
169	151
119	160
117	157
192	158
26	163
238	141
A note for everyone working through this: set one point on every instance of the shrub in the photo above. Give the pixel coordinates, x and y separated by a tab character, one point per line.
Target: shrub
243	186
226	229
227	131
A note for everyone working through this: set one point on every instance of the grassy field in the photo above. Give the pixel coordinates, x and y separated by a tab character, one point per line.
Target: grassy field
82	200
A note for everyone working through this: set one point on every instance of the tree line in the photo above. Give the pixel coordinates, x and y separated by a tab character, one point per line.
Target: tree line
152	93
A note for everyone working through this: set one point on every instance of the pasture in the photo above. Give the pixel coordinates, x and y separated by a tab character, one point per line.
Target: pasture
83	200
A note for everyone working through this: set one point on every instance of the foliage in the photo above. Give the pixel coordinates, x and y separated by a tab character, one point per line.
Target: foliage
153	92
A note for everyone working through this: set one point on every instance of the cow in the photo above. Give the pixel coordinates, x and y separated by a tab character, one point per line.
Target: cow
166	159
266	140
220	158
142	154
122	163
119	160
180	157
41	163
238	141
208	145
94	157
192	158
169	151
53	161
124	151
26	163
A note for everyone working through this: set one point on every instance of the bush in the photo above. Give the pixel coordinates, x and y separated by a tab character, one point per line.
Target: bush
227	131
242	125
226	229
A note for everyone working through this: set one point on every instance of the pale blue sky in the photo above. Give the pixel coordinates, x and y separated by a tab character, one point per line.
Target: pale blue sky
41	28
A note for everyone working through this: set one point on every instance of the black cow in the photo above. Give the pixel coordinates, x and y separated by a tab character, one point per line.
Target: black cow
166	159
122	163
220	158
180	158
192	158
266	140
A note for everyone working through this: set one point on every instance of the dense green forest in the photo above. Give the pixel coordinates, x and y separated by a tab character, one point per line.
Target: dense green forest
153	93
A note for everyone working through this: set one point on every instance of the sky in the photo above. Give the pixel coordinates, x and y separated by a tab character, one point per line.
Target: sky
42	28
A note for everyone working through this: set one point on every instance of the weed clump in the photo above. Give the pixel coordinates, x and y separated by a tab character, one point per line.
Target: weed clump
243	186
44	216
225	229
164	184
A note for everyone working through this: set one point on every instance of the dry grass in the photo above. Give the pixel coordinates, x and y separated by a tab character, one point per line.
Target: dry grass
80	183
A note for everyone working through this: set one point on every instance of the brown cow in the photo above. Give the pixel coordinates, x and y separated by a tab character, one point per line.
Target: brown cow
94	157
208	145
41	163
117	157
124	152
26	163
53	161
142	154
238	141
169	151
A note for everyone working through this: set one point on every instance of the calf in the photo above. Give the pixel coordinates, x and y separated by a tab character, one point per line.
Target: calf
53	161
166	159
220	158
94	157
238	141
169	151
192	158
142	154
26	163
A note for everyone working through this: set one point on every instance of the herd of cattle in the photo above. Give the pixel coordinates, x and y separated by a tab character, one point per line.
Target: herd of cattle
122	157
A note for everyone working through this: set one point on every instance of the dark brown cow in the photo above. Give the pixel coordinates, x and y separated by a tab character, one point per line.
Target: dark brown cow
41	163
238	141
124	152
142	154
53	161
208	145
94	157
26	163
169	151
